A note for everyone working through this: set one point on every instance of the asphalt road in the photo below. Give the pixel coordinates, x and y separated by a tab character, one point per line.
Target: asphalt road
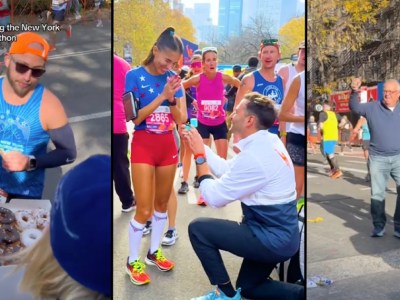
187	279
340	247
79	73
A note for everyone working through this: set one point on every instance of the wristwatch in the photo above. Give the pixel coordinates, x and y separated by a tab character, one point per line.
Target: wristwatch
31	163
200	160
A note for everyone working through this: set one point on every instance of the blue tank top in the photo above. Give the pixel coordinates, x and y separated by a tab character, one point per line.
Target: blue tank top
146	87
21	130
274	90
365	132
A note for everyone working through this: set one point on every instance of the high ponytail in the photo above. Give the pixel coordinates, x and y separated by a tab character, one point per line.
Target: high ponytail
167	40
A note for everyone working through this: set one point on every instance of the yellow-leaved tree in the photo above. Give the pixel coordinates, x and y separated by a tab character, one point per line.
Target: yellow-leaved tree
338	25
140	22
291	34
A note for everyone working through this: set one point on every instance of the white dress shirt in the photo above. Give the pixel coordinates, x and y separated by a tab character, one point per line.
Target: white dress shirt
261	174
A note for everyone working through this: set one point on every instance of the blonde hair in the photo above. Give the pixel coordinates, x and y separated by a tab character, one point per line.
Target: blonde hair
195	57
44	278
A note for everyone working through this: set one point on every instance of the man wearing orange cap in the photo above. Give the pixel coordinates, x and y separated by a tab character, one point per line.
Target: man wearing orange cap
30	115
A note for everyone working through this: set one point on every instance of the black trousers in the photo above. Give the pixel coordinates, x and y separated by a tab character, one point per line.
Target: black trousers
120	165
208	236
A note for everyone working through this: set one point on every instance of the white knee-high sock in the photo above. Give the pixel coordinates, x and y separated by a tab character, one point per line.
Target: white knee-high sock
135	236
158	223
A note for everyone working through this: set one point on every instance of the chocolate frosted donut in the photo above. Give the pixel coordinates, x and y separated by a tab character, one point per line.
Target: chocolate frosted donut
8	234
6	216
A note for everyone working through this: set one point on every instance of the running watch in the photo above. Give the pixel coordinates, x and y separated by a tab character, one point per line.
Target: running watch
200	160
32	163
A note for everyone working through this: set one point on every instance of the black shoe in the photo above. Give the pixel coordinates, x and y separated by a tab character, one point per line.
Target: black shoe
196	184
184	188
129	208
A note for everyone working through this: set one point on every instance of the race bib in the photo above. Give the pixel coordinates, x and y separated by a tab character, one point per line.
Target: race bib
160	121
210	109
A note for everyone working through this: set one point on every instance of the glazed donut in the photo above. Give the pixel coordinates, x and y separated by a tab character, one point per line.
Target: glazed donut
42	218
30	236
6	216
25	220
8	234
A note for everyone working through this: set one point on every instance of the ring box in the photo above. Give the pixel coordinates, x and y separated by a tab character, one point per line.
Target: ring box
193	122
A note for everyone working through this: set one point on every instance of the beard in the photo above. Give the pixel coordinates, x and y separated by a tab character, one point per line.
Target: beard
21	92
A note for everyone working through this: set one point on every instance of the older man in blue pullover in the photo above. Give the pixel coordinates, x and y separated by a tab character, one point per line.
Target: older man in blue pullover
384	151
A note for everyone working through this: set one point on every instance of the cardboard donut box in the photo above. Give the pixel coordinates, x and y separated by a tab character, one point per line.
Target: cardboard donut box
29	206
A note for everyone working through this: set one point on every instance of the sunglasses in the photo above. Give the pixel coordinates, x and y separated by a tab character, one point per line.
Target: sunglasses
22	69
196	64
270	42
209	49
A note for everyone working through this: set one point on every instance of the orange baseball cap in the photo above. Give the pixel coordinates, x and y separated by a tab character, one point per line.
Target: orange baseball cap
24	42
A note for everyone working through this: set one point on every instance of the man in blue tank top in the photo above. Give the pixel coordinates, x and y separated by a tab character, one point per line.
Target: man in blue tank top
265	80
30	115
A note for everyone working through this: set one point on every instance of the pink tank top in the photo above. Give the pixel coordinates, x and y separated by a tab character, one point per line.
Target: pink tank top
210	99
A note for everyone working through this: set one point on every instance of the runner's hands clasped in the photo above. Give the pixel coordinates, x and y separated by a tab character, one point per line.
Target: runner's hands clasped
171	87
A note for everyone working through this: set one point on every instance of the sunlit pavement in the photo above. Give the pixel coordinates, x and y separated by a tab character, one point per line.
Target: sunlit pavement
187	279
79	73
339	246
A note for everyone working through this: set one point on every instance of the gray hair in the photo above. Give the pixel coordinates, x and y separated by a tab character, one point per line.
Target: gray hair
394	82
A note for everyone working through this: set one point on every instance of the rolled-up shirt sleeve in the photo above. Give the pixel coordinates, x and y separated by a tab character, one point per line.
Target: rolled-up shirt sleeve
244	177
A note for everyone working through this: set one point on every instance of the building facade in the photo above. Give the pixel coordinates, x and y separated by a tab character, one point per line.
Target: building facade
230	18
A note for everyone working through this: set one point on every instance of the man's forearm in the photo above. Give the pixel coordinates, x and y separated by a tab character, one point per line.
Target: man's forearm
65	152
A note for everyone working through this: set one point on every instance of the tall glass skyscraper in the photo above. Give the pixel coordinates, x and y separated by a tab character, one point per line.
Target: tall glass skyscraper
230	18
275	12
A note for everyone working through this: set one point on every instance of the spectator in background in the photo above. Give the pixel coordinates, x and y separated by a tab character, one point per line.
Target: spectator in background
328	125
383	119
230	96
121	175
74	4
58	13
312	130
252	66
288	72
98	4
345	132
292	110
362	127
191	105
